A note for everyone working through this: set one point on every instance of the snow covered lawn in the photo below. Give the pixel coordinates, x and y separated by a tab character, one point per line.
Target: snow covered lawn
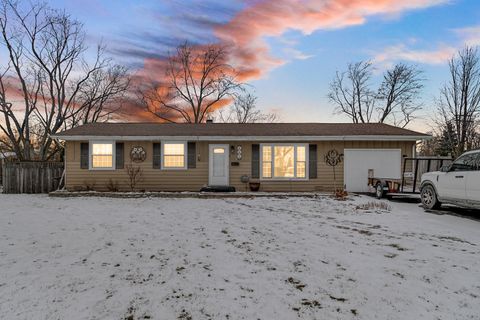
264	258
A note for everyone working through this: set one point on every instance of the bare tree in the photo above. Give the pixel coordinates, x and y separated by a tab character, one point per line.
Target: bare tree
459	102
58	87
399	93
244	110
350	92
196	81
396	100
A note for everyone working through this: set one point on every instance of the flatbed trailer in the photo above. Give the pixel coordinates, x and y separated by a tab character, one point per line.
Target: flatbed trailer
388	187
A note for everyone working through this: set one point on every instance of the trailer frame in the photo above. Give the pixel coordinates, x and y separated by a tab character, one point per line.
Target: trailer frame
388	187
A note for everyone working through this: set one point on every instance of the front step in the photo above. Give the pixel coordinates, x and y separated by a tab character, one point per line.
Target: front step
218	189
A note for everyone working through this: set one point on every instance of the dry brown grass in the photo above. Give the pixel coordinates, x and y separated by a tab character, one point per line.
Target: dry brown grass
374	205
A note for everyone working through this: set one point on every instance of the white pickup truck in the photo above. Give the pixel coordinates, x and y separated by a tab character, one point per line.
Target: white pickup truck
457	184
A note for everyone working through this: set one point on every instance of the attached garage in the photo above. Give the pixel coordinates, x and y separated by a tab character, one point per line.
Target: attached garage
385	163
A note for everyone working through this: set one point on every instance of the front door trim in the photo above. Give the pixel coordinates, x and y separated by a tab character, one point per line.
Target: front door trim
211	181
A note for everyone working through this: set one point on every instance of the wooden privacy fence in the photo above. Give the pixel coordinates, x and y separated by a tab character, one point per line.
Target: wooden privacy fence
31	177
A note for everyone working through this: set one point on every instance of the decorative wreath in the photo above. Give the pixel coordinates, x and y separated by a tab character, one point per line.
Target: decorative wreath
138	154
333	158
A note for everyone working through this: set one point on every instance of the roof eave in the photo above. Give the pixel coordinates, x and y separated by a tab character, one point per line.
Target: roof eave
246	138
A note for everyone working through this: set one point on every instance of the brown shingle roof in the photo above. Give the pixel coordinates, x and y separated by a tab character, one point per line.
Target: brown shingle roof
237	129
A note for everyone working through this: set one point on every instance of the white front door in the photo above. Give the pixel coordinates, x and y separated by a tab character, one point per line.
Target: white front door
218	165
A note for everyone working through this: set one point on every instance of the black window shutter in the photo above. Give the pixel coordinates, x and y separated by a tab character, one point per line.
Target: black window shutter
119	154
157	155
255	161
84	155
192	155
312	161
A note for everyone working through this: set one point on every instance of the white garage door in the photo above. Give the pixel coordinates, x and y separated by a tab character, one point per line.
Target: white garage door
386	163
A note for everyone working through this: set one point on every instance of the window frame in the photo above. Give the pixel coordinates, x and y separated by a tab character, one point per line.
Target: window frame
476	160
185	155
272	161
90	155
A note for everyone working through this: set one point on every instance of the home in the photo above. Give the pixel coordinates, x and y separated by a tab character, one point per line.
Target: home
276	156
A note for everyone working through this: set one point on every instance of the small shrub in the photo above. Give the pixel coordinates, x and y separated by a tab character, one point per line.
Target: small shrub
372	205
340	194
112	186
135	175
89	185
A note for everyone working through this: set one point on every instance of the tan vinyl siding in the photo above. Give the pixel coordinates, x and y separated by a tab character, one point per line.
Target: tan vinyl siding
194	179
153	179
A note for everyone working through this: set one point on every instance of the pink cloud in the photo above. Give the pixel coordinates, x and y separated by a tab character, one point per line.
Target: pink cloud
247	31
467	36
402	52
245	34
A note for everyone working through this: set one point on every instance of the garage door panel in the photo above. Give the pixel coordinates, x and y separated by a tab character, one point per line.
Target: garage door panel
386	163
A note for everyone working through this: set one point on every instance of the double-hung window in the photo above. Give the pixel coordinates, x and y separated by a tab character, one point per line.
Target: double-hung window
284	161
102	155
174	155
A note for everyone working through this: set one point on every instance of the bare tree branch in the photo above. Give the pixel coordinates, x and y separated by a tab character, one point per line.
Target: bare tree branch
59	88
350	92
196	81
244	110
396	100
459	101
399	93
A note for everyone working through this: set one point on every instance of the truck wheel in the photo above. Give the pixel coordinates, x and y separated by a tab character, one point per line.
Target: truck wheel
379	192
429	197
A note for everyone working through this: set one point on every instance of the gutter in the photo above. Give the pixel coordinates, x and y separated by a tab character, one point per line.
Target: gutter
245	138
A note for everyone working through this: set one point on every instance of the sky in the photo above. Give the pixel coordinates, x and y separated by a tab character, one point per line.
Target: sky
289	50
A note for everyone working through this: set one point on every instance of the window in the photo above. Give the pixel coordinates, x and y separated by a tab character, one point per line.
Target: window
174	155
467	162
101	155
282	161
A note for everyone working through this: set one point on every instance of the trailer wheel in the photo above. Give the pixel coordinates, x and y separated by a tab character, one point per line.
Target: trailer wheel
379	192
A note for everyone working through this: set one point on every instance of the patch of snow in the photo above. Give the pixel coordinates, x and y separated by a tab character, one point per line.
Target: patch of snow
261	258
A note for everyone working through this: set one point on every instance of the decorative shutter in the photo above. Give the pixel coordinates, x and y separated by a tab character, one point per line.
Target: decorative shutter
84	155
191	155
119	154
157	155
312	161
255	161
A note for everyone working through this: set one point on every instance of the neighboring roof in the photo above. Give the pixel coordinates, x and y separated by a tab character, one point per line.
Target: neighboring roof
149	131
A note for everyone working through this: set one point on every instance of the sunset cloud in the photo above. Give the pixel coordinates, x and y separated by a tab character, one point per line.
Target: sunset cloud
398	52
246	33
469	35
247	30
440	55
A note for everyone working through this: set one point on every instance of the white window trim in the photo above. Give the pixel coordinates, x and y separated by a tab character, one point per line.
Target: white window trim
185	155
90	155
295	145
